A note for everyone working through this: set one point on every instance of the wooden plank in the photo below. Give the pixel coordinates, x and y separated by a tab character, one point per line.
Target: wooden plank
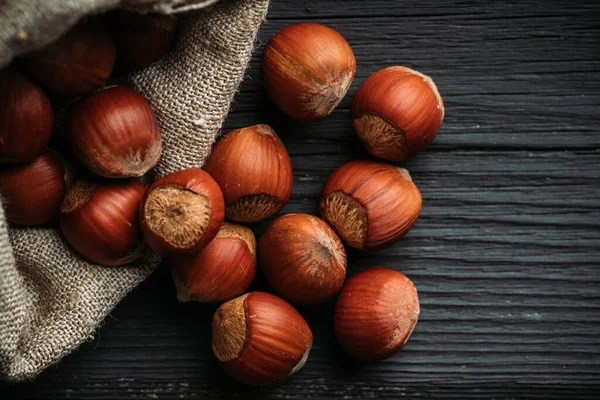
488	9
495	127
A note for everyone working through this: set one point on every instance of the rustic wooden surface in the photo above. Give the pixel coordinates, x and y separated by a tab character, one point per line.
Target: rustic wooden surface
506	253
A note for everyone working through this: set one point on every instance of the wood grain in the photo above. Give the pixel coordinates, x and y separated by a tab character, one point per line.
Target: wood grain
506	253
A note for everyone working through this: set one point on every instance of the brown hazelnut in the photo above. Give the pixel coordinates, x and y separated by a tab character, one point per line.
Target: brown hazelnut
369	204
182	212
397	112
220	271
302	258
253	170
114	133
375	313
77	63
260	339
100	220
26	118
307	69
33	192
142	39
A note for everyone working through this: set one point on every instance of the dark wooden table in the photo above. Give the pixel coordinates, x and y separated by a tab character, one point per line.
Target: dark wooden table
505	255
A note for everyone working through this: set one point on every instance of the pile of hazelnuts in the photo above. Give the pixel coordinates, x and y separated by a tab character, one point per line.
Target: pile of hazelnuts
258	338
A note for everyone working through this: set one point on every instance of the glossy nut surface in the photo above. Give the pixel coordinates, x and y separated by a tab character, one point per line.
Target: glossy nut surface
77	63
397	112
307	69
254	171
26	118
114	133
260	339
141	39
375	313
302	258
33	192
220	271
100	220
369	204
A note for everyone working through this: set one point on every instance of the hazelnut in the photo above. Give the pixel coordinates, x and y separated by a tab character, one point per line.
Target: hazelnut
142	39
302	258
307	69
100	220
397	112
77	63
369	204
32	193
114	133
26	118
220	271
375	313
254	172
182	212
260	339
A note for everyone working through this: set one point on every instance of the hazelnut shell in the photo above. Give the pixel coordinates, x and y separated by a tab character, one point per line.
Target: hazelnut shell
220	271
141	39
33	192
302	258
100	220
370	204
253	170
77	63
114	133
260	339
26	118
397	112
375	313
182	212
307	69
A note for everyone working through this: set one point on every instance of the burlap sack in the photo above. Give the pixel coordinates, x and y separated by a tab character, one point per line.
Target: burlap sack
50	300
